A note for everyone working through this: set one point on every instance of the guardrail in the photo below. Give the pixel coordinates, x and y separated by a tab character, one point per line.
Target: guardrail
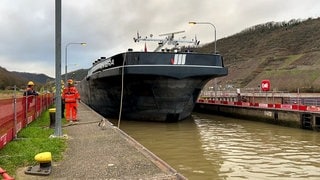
17	113
293	107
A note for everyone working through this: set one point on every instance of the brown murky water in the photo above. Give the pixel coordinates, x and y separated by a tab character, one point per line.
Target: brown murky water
216	147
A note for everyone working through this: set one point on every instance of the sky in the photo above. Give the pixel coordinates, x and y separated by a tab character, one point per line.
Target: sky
27	27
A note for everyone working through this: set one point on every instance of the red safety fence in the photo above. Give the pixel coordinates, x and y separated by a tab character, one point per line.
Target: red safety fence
293	107
17	113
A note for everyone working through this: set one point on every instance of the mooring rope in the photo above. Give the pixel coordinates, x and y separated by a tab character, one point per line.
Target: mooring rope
122	84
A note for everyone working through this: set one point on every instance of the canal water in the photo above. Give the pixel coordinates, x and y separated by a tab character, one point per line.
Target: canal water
216	147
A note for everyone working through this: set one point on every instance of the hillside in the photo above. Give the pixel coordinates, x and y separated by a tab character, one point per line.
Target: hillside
77	75
39	78
9	79
286	53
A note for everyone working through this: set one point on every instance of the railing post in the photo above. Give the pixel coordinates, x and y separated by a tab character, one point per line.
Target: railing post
35	107
26	110
41	104
47	104
15	112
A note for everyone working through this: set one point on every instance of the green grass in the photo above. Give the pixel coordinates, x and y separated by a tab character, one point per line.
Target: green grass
30	141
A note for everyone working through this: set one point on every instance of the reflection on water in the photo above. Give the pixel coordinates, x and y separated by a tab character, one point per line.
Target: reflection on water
215	147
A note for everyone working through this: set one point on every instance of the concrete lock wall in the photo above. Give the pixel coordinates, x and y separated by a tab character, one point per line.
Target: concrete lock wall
297	119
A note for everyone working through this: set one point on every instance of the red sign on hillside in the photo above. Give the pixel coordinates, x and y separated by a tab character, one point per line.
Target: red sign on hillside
265	85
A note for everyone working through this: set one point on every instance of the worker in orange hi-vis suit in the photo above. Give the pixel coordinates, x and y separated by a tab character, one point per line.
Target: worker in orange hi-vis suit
71	96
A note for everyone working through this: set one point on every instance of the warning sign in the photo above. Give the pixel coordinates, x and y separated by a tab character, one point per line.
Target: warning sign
265	85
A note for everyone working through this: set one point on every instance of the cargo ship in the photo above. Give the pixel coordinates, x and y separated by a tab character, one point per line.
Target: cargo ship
149	86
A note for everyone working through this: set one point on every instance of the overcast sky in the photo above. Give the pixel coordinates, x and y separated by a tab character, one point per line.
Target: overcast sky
27	27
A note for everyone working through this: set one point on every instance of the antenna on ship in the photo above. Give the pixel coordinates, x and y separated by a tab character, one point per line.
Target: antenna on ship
169	39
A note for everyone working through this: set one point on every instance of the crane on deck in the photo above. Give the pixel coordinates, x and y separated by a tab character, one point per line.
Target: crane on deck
168	39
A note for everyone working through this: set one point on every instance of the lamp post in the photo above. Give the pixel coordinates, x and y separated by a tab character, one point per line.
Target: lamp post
215	51
215	33
57	129
66	59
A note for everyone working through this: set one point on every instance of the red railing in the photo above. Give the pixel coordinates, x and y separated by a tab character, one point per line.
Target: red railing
294	107
17	113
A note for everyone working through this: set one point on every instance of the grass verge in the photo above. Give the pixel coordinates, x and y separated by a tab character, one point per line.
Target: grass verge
30	141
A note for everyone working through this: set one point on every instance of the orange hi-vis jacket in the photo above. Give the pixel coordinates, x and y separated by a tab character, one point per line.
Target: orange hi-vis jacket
70	94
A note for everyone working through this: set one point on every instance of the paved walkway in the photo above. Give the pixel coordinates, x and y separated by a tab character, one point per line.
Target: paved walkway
97	153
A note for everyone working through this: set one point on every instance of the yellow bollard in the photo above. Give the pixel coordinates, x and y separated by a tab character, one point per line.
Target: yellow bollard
52	114
44	168
44	157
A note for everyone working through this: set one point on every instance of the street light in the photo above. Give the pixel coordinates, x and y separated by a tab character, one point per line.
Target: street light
215	51
215	33
57	129
66	59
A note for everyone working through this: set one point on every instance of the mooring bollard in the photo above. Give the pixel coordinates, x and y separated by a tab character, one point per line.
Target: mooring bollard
52	114
44	168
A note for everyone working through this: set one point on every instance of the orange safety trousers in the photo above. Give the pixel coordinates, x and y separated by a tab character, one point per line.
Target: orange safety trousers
71	111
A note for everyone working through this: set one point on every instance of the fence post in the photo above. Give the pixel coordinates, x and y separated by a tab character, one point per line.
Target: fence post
42	104
35	107
47	101
26	110
15	112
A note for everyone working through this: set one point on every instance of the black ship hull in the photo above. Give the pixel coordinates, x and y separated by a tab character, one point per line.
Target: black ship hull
149	86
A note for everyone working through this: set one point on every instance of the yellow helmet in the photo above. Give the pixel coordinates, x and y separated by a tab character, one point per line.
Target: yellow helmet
30	83
70	81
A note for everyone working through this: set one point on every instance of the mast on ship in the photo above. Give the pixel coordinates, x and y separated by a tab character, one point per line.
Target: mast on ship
169	39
